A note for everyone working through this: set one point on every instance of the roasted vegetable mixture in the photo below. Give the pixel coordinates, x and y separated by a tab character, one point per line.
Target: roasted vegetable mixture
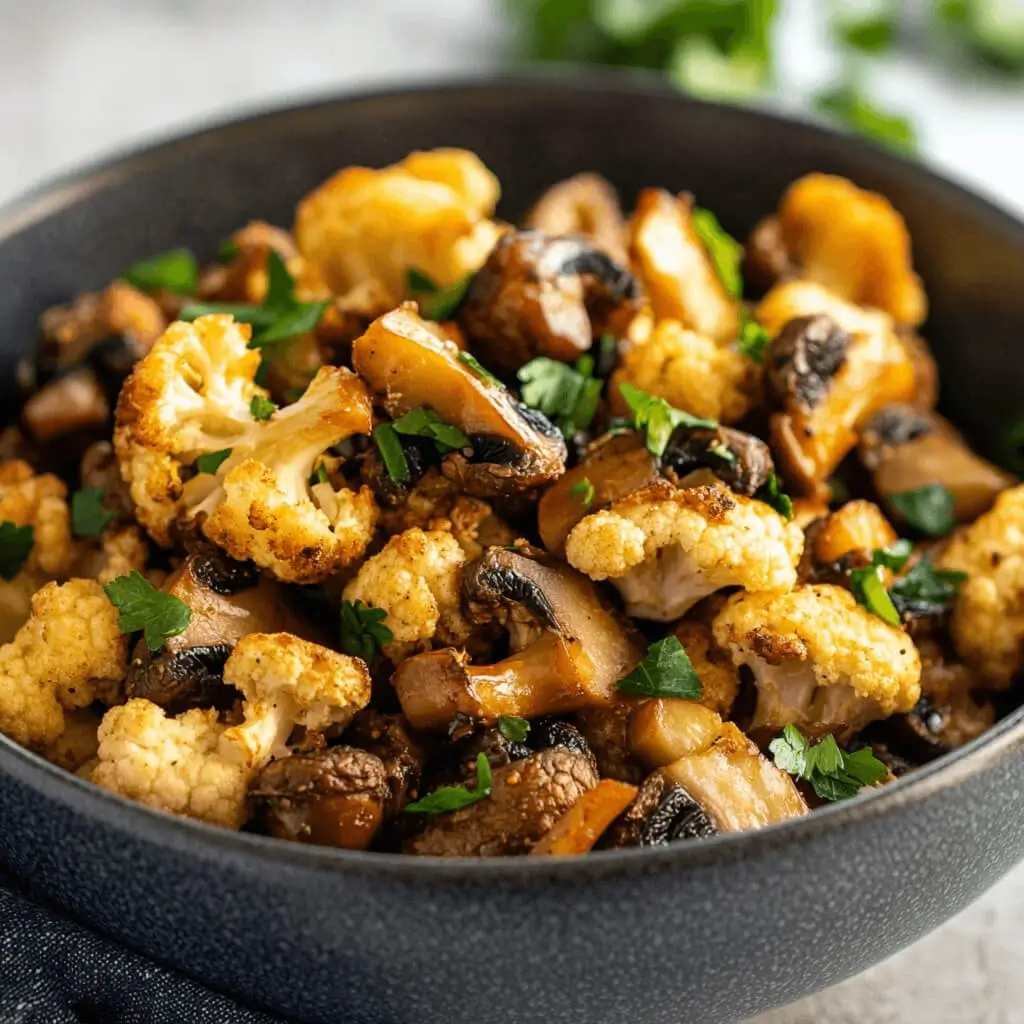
412	530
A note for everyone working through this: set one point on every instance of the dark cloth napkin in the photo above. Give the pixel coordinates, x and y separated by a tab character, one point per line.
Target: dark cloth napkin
54	971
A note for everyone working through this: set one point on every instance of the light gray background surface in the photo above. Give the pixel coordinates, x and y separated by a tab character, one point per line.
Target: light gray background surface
81	77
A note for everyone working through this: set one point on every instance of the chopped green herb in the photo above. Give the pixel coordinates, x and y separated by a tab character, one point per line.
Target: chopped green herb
513	728
666	671
833	773
363	630
753	340
719	450
480	371
175	271
15	546
261	407
142	606
210	462
390	447
424	422
658	418
851	108
772	494
925	589
319	475
567	394
869	589
928	509
417	281
88	516
725	252
583	492
228	251
451	798
438	303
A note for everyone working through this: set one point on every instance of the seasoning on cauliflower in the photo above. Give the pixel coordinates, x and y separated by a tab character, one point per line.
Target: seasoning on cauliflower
431	212
191	397
194	764
416	579
69	653
666	548
691	373
821	661
987	625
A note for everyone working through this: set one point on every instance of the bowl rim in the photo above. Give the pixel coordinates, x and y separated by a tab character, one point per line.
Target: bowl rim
196	838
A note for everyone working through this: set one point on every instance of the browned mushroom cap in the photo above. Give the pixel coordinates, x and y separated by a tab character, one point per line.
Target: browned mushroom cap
737	458
228	600
543	296
662	813
409	364
402	752
585	204
332	797
527	798
73	403
906	449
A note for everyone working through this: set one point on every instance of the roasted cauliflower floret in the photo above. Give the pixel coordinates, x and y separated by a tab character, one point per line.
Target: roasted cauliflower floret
416	579
430	212
988	618
194	764
666	548
820	660
68	654
76	746
119	551
690	372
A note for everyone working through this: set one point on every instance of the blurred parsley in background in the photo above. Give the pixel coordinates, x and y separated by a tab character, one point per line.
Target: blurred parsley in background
722	49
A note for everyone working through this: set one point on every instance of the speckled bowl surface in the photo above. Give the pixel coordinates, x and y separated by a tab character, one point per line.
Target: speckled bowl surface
703	931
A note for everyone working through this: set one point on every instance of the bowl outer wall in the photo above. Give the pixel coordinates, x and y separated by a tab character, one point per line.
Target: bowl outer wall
715	933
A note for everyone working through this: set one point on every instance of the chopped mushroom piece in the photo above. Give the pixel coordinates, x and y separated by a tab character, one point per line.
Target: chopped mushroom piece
585	204
846	539
332	797
662	813
73	403
409	364
606	731
527	798
545	296
401	751
676	270
584	823
667	728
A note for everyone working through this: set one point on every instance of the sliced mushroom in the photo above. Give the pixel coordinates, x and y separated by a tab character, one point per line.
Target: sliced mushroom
228	600
401	751
662	813
569	649
73	403
409	364
737	458
539	295
585	204
905	449
579	829
527	798
331	797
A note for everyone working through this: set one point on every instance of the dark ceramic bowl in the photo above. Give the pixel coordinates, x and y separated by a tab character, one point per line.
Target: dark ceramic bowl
703	931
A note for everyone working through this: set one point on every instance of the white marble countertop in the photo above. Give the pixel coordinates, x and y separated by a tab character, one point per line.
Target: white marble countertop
81	77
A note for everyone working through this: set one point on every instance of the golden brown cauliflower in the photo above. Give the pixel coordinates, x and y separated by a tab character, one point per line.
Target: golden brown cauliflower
430	212
416	579
666	548
194	764
119	551
69	653
76	746
691	372
988	618
820	660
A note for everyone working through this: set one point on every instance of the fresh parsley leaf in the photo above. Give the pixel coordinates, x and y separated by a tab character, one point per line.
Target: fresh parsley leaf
566	394
390	447
513	728
424	422
895	557
363	630
451	798
175	271
228	251
925	589
753	340
480	371
583	492
772	494
15	546
851	108
261	407
666	671
142	606
88	516
833	773
725	252
256	316
928	509
869	589
438	303
658	418
210	462
319	475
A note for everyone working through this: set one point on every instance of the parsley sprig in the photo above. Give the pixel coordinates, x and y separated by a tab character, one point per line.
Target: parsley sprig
771	493
143	607
753	340
925	589
666	671
833	773
15	547
389	444
725	252
261	408
88	516
175	271
513	728
362	629
424	422
928	509
868	583
436	303
658	419
583	493
566	394
451	798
